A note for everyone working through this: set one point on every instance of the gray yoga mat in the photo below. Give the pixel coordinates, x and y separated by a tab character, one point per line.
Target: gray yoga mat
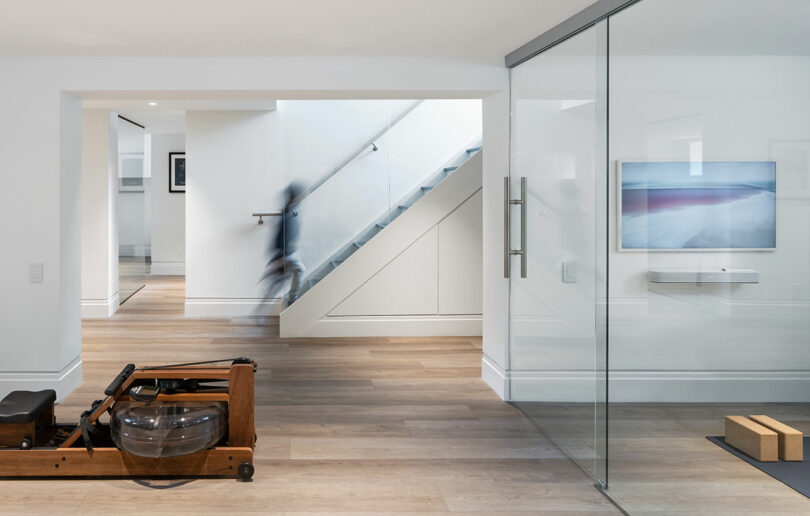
793	474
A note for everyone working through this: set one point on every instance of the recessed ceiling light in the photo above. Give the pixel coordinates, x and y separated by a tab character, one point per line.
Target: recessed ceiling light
153	103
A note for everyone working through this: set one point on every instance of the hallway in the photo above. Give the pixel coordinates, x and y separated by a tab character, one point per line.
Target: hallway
371	425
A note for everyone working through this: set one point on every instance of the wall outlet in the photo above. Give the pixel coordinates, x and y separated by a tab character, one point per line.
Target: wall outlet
36	272
569	272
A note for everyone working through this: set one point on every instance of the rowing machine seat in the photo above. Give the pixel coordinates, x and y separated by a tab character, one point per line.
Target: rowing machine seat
22	407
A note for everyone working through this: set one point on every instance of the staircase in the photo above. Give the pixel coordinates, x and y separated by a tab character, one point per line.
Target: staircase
408	277
384	220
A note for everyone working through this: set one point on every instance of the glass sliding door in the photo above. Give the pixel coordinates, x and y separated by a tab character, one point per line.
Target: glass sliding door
709	247
696	191
557	311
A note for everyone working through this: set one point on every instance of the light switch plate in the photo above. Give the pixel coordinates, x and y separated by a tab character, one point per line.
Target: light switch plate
36	272
569	272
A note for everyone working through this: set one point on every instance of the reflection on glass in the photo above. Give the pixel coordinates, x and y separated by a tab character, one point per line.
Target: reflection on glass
134	211
709	147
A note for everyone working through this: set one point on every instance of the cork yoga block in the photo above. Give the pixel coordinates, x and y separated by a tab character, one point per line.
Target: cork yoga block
790	440
752	438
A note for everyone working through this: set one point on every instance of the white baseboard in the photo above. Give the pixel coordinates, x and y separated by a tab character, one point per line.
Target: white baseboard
168	269
100	308
134	250
232	307
663	386
495	376
63	382
395	326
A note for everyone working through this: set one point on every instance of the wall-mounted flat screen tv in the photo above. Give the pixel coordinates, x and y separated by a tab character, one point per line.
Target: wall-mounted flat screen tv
693	206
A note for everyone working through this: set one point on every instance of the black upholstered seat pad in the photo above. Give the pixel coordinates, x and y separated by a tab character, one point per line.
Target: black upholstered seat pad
21	407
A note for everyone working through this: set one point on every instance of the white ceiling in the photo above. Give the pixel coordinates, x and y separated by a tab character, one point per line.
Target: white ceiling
480	30
168	114
157	121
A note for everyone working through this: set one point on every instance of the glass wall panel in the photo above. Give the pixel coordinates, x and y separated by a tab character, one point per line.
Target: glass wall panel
709	247
557	312
134	211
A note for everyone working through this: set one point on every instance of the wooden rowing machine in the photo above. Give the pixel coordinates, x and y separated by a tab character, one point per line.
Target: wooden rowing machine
33	445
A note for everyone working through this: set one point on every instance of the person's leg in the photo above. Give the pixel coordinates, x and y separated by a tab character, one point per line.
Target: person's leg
296	267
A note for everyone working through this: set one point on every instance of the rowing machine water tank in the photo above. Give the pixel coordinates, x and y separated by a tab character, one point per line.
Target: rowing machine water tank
167	429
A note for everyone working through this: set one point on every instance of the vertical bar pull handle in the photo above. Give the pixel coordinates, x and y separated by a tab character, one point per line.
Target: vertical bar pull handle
506	227
507	248
523	199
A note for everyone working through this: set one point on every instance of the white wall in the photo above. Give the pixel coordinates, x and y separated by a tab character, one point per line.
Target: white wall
99	237
40	222
225	248
70	252
714	342
317	135
495	288
29	205
168	209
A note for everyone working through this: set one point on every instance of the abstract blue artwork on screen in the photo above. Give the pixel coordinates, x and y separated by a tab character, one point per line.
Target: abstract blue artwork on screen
698	205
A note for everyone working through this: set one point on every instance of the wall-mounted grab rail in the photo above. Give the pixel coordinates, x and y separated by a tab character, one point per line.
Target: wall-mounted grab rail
267	214
369	143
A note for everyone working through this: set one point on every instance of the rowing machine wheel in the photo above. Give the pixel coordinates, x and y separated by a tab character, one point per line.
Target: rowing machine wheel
245	472
26	444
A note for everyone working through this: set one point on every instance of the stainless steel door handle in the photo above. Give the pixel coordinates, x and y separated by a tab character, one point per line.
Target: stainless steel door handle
507	248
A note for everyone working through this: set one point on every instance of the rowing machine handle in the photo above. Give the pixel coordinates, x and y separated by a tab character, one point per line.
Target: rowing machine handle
119	380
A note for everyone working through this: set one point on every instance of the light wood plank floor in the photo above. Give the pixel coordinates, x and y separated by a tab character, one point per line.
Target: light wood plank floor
348	426
660	461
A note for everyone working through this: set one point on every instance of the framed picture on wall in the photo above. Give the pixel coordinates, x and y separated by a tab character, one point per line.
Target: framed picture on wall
177	172
697	206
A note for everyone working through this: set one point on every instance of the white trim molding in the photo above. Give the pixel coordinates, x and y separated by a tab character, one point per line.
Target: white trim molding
663	386
168	269
495	376
63	381
100	308
399	325
232	307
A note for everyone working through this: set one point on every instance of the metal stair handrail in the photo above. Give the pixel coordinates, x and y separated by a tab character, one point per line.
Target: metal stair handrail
366	145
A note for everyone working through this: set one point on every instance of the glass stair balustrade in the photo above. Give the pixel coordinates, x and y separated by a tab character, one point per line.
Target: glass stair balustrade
380	224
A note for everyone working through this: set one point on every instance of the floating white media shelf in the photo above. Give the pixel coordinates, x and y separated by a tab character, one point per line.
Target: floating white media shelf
703	276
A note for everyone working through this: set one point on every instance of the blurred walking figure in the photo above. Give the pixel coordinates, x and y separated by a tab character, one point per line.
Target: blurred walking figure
285	258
